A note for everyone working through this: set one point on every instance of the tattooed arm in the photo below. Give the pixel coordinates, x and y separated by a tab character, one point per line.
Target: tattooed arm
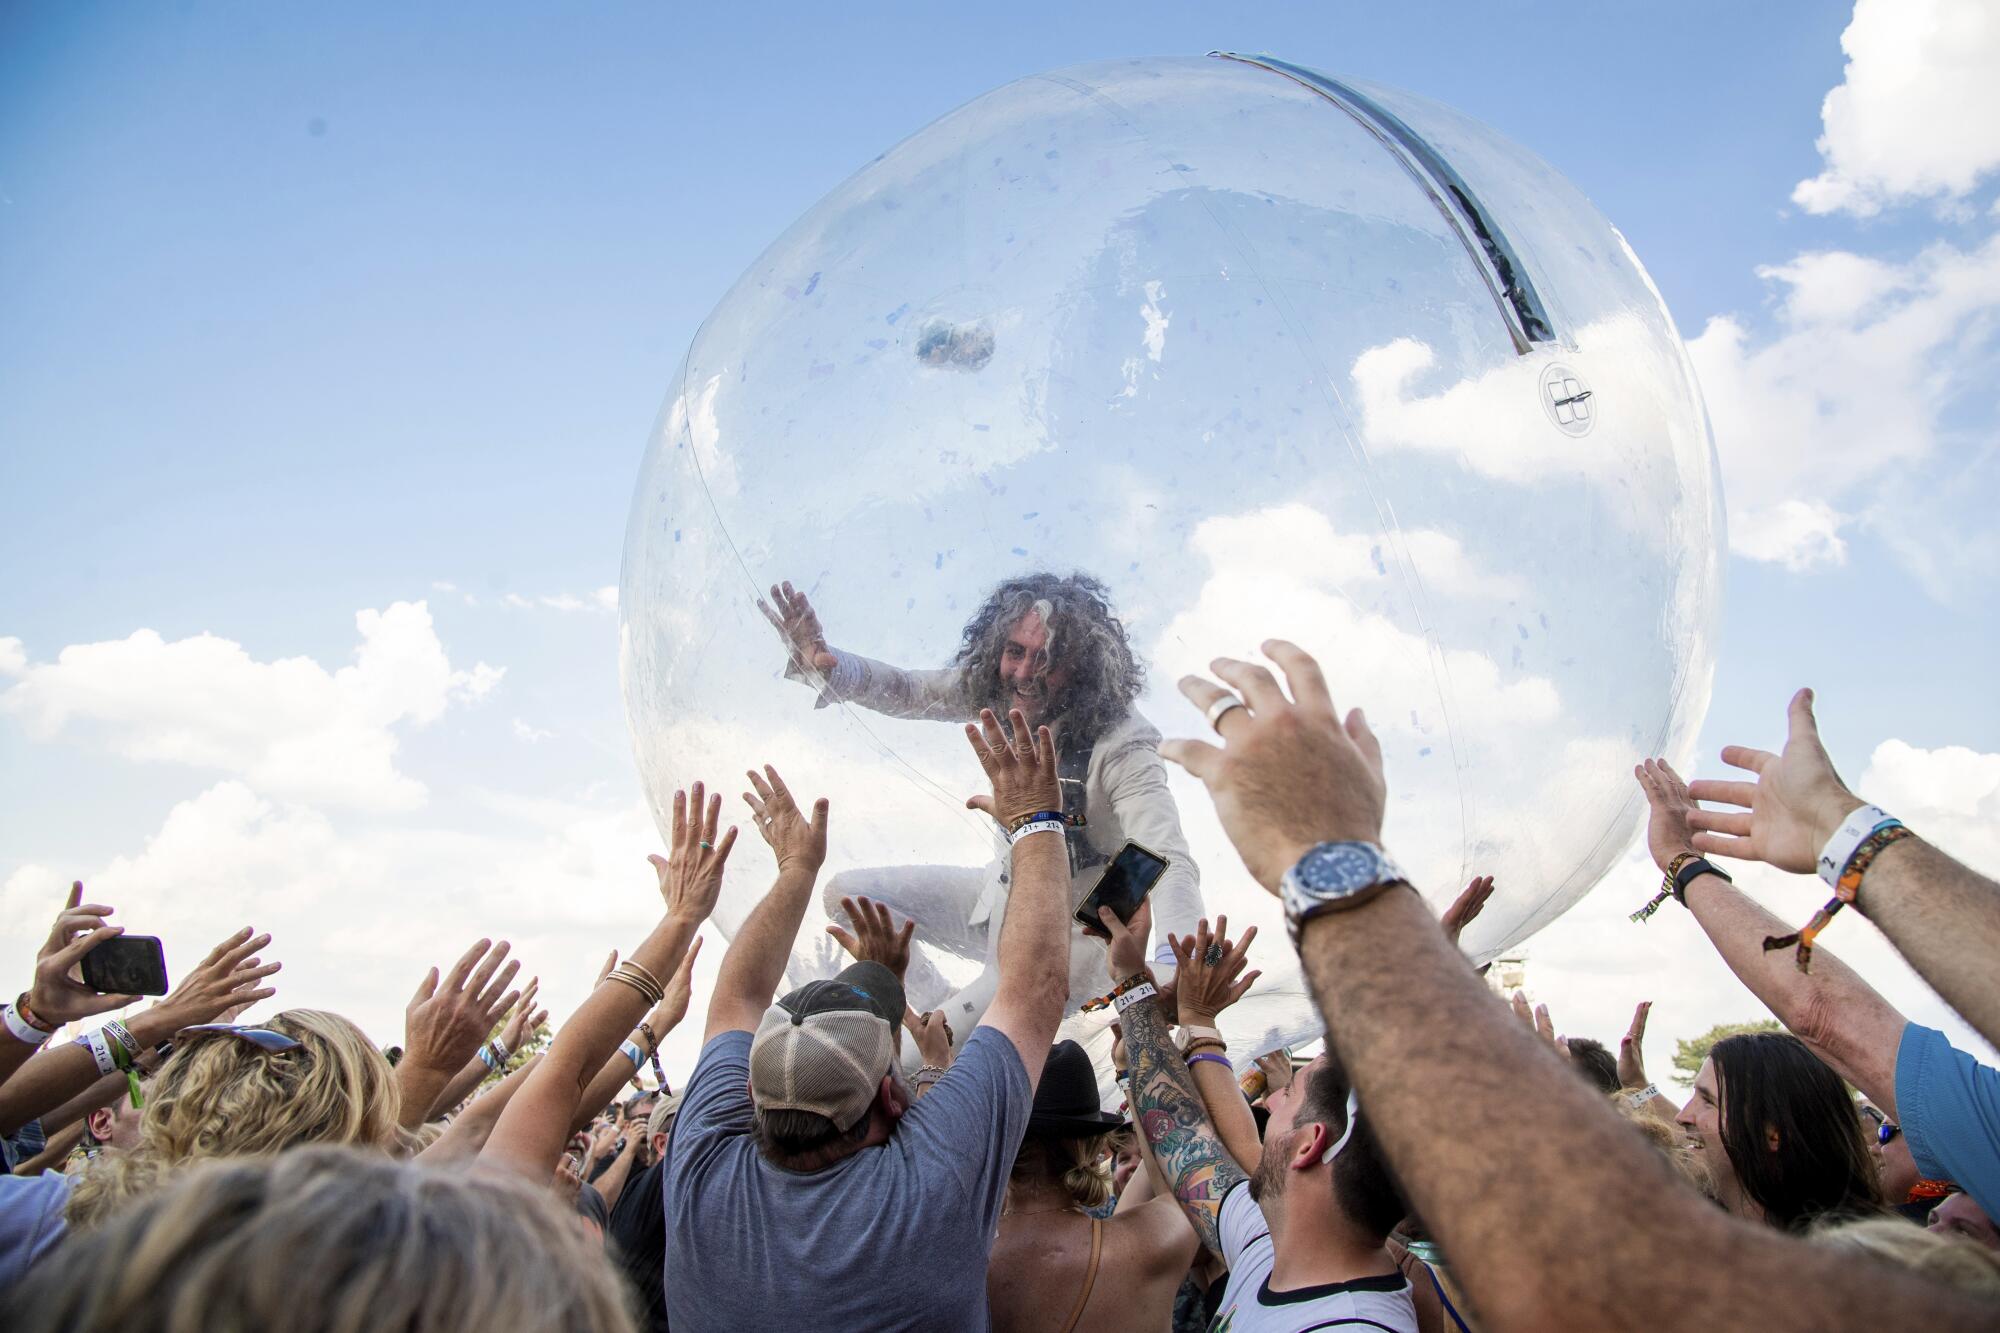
1165	1102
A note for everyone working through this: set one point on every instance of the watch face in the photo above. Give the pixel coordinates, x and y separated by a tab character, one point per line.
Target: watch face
1335	869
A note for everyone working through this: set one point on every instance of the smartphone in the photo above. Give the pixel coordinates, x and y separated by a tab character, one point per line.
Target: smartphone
127	965
1126	881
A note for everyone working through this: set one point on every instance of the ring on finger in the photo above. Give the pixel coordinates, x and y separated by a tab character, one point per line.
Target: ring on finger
707	846
1221	706
1213	954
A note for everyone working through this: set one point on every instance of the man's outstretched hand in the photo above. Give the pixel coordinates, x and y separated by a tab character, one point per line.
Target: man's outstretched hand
792	615
1021	767
1290	773
875	938
798	842
1793	807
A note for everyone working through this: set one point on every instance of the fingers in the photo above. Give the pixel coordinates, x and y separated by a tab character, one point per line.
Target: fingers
1205	694
770	615
847	941
991	732
686	968
1718	821
1801	725
1256	686
1020	738
215	954
1242	988
487	967
428	987
1722	793
76	896
1302	673
1357	729
678	839
490	998
726	845
711	818
1637	1032
1715	844
983	804
1739	756
455	979
1521	1010
1197	757
69	956
1544	1024
759	785
236	956
822	811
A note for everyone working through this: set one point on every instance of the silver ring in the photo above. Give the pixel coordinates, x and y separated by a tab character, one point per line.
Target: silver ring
1213	954
707	846
1219	707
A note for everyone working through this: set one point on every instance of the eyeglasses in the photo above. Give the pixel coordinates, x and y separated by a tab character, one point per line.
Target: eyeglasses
264	1039
1887	1133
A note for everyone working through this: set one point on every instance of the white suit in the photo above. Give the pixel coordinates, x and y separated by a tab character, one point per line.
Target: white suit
961	908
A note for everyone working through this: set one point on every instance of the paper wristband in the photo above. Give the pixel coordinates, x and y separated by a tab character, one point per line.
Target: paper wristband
1126	999
630	1050
100	1050
1029	830
1853	831
23	1031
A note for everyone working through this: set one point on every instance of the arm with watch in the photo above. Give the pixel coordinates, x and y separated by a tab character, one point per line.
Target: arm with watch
1615	1240
1842	1018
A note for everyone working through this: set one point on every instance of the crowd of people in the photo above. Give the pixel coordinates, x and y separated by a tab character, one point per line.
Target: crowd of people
838	1160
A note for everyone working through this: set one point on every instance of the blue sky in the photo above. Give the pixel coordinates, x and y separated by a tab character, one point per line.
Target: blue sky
312	312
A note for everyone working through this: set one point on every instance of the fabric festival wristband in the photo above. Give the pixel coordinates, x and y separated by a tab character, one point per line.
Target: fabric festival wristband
1213	1059
1030	830
1126	999
630	1050
21	1029
100	1050
487	1058
1847	839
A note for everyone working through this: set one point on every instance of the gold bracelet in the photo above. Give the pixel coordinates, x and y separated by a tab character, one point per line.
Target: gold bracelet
624	979
644	973
653	991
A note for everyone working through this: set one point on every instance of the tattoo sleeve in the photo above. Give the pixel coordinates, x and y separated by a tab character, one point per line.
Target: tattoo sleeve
1169	1108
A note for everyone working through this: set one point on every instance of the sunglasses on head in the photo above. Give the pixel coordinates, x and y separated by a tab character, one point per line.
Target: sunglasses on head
264	1039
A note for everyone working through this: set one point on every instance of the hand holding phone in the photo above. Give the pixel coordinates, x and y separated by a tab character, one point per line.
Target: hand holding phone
1127	879
127	965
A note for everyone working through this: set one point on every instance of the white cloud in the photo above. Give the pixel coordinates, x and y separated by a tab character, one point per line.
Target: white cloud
1917	115
13	656
601	599
522	731
289	727
1850	390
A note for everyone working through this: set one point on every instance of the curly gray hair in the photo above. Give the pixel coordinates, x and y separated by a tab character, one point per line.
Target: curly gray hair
1085	639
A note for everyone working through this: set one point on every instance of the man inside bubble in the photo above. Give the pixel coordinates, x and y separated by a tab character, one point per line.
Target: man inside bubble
1050	646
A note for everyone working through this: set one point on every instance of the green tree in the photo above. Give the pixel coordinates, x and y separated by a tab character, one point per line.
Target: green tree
1689	1052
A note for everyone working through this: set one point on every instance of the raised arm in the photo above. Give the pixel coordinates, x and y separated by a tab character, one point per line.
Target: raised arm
755	963
228	976
535	1125
1034	939
1166	1105
521	1024
1941	916
1206	981
446	1023
56	997
1614	1241
1845	1020
937	695
643	1041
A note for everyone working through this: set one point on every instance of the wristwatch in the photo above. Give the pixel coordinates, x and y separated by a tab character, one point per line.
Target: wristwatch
1334	876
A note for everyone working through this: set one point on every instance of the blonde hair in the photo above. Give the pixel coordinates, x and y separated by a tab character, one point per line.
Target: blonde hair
223	1096
329	1240
1956	1261
1078	1165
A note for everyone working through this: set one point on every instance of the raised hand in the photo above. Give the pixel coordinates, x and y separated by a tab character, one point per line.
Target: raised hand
58	994
446	1021
1290	773
226	980
1206	968
1669	807
1794	806
792	615
1277	1068
673	1006
798	842
1466	906
1127	953
1021	767
933	1036
875	937
523	1021
691	872
1631	1058
1540	1023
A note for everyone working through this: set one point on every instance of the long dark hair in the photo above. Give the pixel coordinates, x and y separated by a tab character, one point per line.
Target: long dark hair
1085	638
1771	1081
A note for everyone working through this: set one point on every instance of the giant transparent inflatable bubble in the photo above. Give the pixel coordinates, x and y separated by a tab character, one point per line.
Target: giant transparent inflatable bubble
1267	353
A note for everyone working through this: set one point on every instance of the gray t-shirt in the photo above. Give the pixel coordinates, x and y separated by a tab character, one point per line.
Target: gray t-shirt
894	1237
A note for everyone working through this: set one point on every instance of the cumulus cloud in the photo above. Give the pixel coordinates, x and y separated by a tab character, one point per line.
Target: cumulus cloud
1917	114
1852	387
290	727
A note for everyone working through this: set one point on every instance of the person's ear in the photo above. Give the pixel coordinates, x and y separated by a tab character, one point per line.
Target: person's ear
100	1122
659	1147
1771	1138
891	1097
1309	1146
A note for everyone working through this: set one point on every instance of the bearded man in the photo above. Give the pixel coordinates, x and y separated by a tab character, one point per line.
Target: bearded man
1050	646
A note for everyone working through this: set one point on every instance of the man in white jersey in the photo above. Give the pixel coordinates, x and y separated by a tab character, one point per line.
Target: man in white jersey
1305	1237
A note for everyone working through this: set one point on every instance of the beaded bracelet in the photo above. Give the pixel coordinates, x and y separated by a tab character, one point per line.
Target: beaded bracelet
1845	890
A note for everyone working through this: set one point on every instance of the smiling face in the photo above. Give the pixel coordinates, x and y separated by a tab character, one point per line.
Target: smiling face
1274	1165
1701	1120
1025	677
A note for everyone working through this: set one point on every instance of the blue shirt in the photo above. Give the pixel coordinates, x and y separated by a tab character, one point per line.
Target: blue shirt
893	1237
1949	1107
31	1221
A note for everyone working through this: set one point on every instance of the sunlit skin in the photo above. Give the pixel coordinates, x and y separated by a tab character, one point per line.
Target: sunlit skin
1958	1215
1124	1161
1024	668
